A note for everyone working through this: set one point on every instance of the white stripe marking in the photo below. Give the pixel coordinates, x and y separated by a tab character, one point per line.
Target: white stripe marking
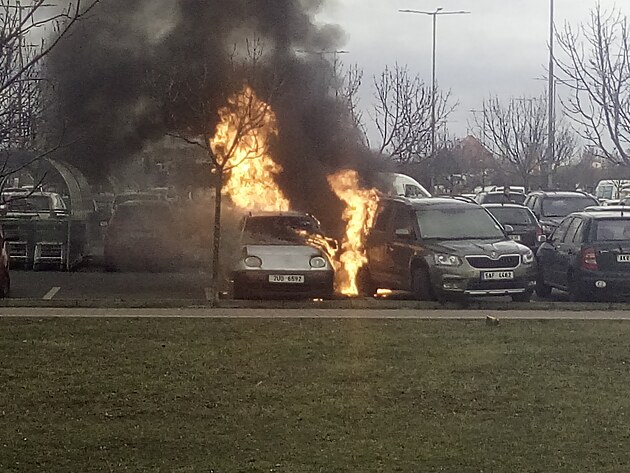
50	294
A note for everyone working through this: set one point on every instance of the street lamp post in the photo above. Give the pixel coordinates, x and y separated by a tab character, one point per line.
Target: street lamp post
551	145
434	14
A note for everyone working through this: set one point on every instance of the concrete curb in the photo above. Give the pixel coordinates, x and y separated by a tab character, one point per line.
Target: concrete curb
346	304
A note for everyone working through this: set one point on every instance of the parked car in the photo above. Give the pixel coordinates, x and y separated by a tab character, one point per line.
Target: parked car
526	229
443	247
33	204
5	277
498	197
551	207
142	234
283	255
136	196
588	256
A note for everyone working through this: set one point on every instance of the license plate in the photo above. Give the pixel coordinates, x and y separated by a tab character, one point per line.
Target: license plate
286	279
497	276
515	237
623	258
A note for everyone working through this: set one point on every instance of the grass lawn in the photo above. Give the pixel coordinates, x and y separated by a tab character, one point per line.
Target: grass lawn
80	395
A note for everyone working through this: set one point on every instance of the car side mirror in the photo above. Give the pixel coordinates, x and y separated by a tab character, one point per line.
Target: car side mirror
508	229
104	223
403	233
543	238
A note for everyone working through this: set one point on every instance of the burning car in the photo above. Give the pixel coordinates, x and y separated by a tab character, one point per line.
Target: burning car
284	254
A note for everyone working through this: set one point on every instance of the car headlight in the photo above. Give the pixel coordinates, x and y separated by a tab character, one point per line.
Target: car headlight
447	260
528	258
318	262
253	262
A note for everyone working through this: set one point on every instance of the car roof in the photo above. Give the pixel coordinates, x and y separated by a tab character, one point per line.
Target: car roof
144	203
600	213
562	194
505	192
288	213
506	205
428	202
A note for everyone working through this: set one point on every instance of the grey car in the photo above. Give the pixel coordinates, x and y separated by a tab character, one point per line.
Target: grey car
284	254
443	247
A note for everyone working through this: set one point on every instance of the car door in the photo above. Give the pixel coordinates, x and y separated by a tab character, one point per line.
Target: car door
547	255
400	247
377	245
567	251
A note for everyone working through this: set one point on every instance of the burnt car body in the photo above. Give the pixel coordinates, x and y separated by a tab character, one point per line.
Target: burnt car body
588	256
283	254
525	228
440	248
551	207
142	234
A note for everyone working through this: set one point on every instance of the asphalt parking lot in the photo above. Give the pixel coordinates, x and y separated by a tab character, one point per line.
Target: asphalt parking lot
94	284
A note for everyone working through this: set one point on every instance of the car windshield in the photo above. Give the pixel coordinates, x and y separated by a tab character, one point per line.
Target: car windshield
563	206
458	223
287	228
612	230
512	215
499	197
145	216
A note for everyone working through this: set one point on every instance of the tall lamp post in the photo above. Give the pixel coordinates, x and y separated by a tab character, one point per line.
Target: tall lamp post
551	147
434	14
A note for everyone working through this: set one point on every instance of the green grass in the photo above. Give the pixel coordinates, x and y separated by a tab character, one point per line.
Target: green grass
80	395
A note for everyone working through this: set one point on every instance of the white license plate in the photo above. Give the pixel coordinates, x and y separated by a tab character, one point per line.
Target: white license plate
623	258
286	279
515	237
497	276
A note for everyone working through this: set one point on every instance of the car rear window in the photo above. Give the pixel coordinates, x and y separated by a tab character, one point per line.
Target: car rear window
143	215
33	203
500	197
563	206
280	227
512	215
612	230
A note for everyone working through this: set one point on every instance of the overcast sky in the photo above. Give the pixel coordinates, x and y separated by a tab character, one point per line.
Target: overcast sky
500	48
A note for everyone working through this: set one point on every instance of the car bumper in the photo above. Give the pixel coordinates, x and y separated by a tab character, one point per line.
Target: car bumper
468	282
255	284
610	285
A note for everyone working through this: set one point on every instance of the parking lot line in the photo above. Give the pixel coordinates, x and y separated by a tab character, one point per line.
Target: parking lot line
50	294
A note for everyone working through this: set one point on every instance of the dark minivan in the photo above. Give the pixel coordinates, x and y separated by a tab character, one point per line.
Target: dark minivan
525	228
550	207
587	256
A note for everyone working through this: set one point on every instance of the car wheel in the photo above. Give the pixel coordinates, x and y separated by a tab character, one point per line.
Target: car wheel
542	289
365	283
522	297
421	285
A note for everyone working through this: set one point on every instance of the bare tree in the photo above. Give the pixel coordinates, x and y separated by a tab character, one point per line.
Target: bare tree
402	114
596	68
23	27
242	133
350	85
516	133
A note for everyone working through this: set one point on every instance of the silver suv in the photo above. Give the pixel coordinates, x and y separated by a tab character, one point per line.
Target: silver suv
438	247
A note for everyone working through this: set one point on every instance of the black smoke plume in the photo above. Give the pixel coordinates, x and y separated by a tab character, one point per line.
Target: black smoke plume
126	74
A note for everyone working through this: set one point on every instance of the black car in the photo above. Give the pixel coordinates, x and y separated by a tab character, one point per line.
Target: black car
588	256
440	248
525	228
551	207
498	197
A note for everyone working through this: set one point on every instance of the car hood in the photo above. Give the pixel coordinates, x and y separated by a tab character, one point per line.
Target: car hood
491	248
284	257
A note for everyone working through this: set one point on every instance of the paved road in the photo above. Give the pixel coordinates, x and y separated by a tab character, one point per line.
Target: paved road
315	314
94	284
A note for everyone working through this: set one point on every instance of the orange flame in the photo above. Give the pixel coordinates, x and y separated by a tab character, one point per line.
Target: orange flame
359	214
241	143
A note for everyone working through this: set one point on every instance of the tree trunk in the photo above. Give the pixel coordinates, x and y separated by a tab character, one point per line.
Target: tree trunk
216	243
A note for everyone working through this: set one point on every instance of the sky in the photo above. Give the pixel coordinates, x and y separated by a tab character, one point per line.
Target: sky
500	48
